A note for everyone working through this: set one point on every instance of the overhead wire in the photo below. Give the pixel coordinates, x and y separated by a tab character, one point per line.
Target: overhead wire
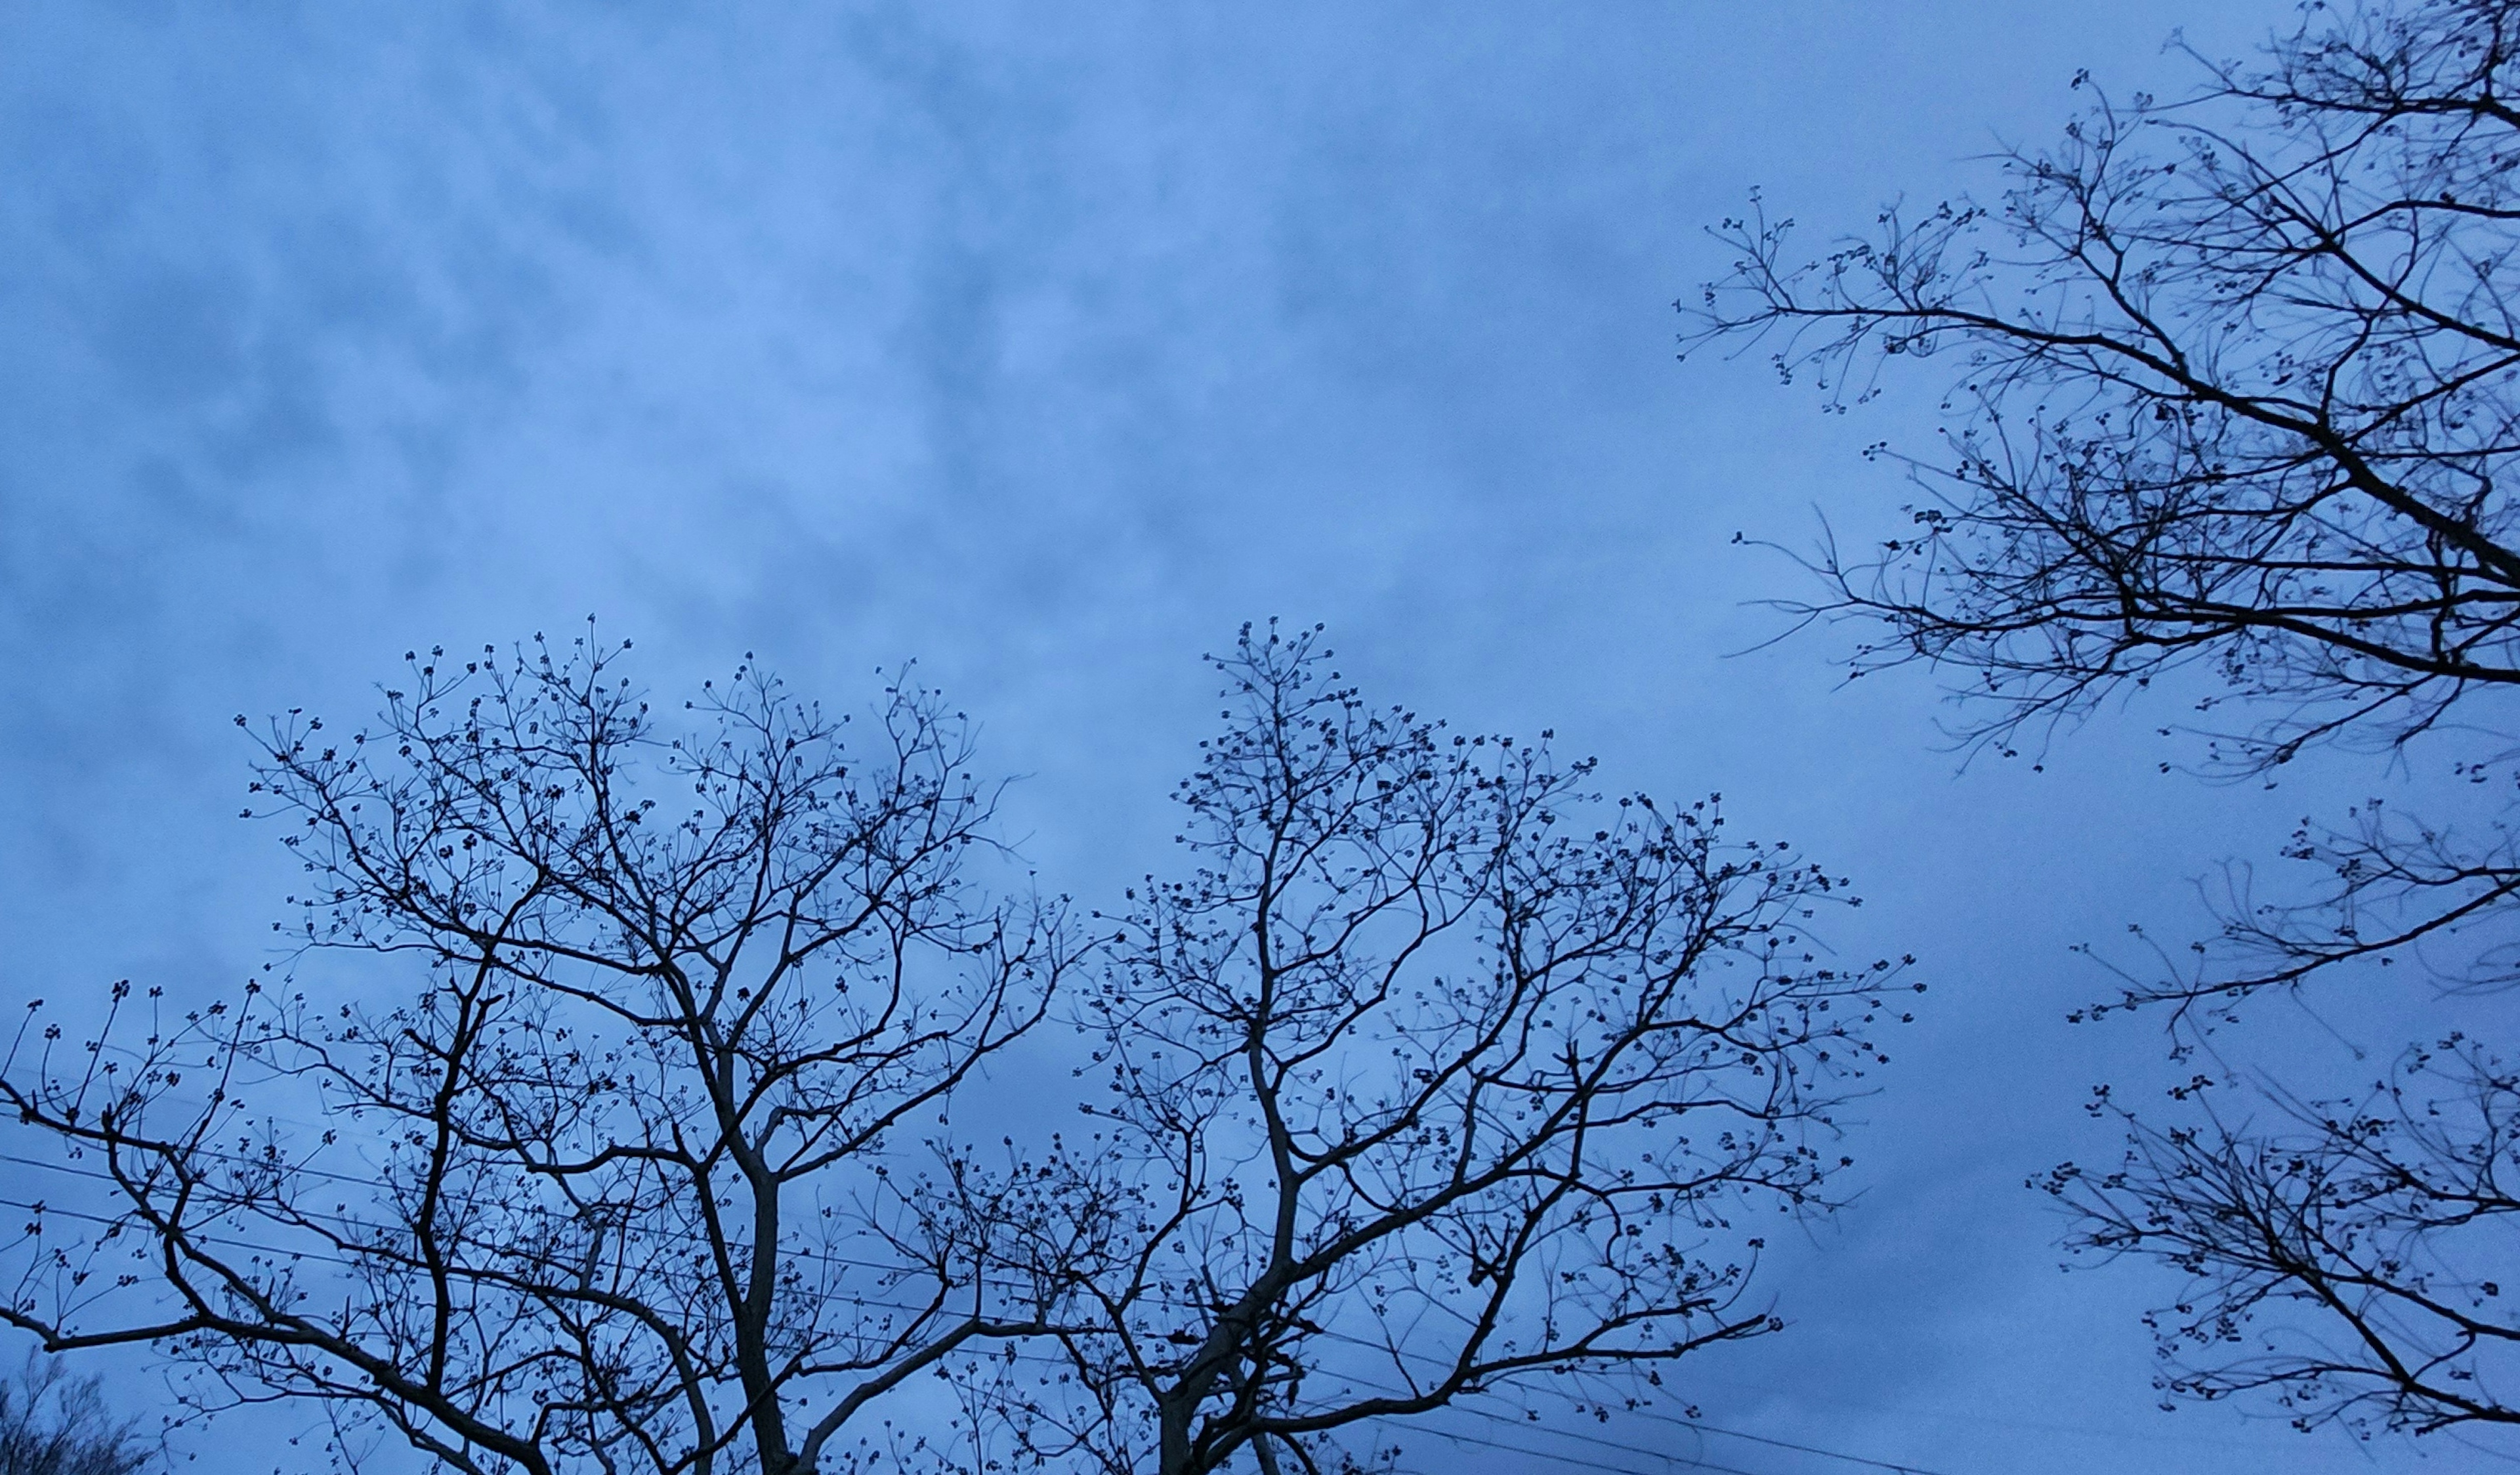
845	1262
1472	1410
1563	1458
1695	1425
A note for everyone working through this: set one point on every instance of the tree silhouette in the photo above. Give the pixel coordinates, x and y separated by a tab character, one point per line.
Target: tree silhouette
618	1163
2235	398
53	1424
1436	1069
1433	1071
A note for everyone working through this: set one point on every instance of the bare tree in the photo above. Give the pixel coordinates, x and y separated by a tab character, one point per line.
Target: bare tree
618	1166
54	1424
2391	1219
1434	1071
2236	399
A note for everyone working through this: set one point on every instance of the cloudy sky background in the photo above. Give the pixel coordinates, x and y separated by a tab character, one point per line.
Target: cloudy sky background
1046	349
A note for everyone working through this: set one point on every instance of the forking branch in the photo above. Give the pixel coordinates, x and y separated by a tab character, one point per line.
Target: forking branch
1431	1050
2231	395
634	1181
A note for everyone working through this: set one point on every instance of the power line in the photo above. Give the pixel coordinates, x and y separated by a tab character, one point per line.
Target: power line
1455	1435
827	1257
1693	1425
1590	1464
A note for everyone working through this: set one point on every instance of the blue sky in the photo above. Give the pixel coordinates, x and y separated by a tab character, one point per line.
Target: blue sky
1046	349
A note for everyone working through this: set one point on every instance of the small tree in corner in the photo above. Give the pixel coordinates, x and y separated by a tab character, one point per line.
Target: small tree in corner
54	1424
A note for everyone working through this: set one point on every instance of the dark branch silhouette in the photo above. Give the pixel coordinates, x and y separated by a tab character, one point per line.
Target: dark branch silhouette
2390	1219
54	1424
618	1165
2234	397
1434	1070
